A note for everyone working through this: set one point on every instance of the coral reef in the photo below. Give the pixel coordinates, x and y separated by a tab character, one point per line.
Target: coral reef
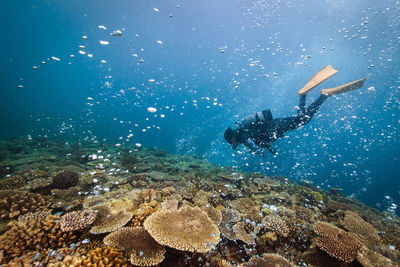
169	210
138	245
187	229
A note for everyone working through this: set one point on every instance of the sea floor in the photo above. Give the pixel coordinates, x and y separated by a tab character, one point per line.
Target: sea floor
88	204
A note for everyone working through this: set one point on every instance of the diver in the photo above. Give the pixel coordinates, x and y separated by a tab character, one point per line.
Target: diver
259	130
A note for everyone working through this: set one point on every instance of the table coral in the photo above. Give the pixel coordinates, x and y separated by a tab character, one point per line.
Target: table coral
142	249
336	242
108	220
187	229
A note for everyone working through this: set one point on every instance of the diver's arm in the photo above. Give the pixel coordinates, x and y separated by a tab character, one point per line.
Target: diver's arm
253	147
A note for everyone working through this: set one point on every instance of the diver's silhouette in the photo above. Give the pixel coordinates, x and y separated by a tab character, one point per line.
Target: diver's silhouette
259	129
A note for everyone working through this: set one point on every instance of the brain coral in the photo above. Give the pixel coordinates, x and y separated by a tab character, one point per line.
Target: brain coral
15	203
77	220
107	220
187	229
65	179
138	244
336	242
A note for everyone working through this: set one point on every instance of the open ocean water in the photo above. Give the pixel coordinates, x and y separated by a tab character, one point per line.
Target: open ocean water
112	120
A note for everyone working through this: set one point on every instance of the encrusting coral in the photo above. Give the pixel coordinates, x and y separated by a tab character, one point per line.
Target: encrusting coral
107	220
336	242
141	248
15	203
65	179
77	220
187	229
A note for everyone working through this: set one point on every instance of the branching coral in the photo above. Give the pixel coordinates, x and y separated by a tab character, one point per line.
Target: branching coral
77	220
276	224
107	220
66	199
336	242
187	229
142	249
35	234
144	211
102	256
15	203
12	183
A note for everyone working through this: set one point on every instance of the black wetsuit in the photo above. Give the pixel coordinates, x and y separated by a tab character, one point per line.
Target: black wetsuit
259	130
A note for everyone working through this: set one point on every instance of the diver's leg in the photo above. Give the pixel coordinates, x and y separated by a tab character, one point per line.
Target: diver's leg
302	104
312	109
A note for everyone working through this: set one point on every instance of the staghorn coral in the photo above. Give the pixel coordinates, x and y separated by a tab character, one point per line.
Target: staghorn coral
187	229
15	203
142	249
336	242
276	224
268	260
65	180
77	220
364	231
33	235
102	256
107	220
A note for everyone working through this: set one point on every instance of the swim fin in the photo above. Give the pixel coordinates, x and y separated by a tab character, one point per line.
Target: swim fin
344	88
318	78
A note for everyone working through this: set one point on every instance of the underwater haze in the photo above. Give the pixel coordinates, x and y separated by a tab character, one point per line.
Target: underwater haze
175	74
115	116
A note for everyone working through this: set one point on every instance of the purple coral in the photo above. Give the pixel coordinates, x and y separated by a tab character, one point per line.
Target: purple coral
65	179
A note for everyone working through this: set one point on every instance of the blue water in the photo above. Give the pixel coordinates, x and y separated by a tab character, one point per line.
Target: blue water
212	63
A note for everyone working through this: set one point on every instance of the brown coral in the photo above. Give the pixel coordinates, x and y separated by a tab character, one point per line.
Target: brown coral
229	218
336	242
365	232
245	232
105	256
276	224
107	220
268	260
12	182
15	203
214	214
248	208
187	229
144	211
170	204
35	234
142	249
146	196
66	199
77	220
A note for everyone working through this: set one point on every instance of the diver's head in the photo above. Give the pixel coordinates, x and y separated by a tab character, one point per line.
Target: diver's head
231	137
